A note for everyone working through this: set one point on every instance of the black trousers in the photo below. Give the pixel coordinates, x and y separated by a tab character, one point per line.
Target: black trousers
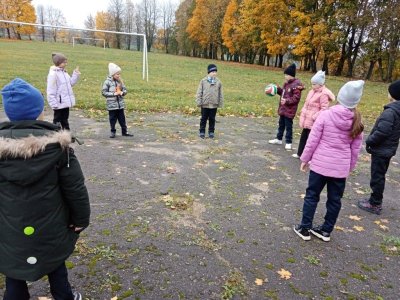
303	140
59	286
379	167
117	115
61	116
207	114
285	123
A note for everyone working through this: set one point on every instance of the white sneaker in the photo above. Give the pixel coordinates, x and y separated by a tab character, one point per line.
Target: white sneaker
295	155
288	146
275	142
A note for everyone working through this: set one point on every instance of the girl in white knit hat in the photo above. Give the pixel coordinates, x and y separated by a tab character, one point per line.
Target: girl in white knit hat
114	90
317	100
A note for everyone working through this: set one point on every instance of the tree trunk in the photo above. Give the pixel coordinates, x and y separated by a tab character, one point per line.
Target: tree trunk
380	68
325	65
276	61
280	60
8	33
370	69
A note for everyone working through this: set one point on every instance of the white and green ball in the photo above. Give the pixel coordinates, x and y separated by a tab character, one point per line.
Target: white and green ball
271	90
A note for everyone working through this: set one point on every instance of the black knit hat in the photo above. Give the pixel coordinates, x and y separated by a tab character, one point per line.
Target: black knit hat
394	90
211	68
291	70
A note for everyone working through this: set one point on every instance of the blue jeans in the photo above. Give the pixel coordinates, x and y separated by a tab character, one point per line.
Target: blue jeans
285	123
59	286
316	184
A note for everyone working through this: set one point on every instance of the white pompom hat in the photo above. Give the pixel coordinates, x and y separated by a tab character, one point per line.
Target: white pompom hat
113	68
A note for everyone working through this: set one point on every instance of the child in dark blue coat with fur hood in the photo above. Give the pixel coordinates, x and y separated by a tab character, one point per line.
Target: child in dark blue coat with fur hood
44	204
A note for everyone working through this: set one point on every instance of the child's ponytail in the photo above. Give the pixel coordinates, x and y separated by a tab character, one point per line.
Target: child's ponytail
357	126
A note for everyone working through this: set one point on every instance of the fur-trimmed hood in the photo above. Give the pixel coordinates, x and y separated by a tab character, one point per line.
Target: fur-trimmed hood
30	146
30	149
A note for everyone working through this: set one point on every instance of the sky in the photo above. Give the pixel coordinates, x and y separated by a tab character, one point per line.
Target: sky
76	11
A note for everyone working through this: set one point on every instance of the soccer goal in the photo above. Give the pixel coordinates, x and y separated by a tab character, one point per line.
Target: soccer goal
145	72
83	38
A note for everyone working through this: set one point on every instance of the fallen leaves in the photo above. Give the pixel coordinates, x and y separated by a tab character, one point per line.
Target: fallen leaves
358	228
355	218
285	274
259	281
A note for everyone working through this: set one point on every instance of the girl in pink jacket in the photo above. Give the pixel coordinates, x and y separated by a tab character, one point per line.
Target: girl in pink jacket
60	95
331	153
317	100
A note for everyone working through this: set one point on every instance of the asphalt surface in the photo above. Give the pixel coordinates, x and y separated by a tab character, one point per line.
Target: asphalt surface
178	217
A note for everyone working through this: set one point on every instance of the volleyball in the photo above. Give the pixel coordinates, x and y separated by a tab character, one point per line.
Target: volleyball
271	90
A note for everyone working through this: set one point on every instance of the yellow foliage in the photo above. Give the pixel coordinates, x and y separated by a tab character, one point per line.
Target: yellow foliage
20	11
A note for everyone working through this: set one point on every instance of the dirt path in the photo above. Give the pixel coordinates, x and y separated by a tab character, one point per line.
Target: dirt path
177	217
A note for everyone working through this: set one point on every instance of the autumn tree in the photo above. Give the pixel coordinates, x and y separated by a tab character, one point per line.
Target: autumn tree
19	11
129	22
229	29
149	17
55	17
40	11
182	16
90	23
167	19
115	11
205	25
103	23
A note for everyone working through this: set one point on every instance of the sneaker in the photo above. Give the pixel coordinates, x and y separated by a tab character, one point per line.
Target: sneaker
288	147
202	135
112	136
77	296
373	209
127	134
211	135
275	142
295	156
319	233
302	232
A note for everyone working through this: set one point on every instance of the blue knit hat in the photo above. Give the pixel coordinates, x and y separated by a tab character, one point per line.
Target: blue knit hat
22	101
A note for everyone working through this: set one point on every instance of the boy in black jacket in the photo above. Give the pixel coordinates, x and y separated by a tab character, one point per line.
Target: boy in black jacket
382	144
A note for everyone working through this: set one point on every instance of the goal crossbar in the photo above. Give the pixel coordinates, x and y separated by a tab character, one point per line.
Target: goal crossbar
145	71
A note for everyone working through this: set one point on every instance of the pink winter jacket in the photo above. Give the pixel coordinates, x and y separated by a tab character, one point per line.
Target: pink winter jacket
59	88
330	150
316	101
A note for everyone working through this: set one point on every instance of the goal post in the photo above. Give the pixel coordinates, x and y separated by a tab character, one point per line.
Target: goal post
145	68
83	38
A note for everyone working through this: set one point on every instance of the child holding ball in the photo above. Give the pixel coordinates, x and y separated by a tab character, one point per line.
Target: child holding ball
290	97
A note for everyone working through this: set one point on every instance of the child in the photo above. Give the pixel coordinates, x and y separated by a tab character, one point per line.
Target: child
44	203
209	97
382	144
290	97
114	90
317	100
60	95
331	152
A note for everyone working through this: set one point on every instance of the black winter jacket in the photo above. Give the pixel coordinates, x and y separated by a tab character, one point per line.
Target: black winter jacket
42	194
384	137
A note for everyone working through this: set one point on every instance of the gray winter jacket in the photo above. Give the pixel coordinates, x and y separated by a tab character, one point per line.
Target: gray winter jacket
108	90
210	95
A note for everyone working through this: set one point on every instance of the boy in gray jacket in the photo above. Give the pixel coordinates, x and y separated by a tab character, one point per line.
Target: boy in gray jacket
209	97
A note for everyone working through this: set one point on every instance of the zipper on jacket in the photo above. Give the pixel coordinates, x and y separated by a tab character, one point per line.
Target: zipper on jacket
68	85
60	99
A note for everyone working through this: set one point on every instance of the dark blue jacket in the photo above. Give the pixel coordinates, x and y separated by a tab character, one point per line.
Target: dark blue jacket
384	137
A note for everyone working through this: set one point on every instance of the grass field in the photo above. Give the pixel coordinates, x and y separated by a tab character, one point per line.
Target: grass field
172	82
